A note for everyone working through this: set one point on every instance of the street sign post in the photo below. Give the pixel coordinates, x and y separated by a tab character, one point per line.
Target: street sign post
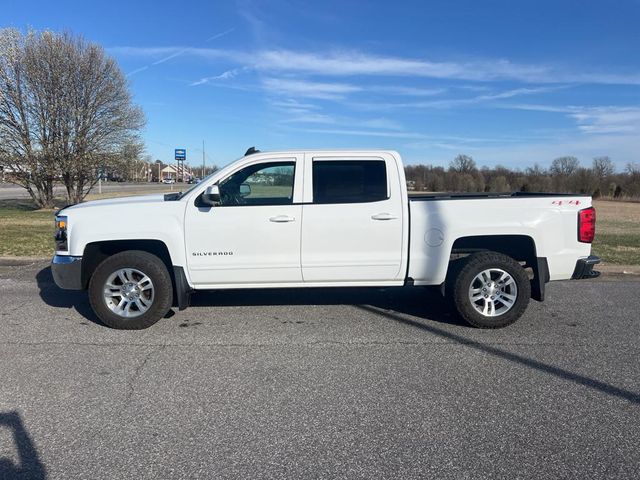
180	156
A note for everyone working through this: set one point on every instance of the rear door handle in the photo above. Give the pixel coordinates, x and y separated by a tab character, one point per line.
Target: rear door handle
282	219
383	216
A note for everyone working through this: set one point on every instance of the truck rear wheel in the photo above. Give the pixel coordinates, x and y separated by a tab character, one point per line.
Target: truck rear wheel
490	290
131	290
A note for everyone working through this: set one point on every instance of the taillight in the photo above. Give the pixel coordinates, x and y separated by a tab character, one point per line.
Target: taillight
586	225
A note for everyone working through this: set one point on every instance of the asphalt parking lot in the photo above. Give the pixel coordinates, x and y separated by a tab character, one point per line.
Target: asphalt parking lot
319	384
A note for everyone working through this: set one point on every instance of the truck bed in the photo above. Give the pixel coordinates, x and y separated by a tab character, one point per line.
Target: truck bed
549	220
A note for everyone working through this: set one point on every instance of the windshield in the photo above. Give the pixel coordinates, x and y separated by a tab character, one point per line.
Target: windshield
181	194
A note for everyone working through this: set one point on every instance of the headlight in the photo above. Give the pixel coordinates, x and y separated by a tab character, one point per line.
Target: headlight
61	233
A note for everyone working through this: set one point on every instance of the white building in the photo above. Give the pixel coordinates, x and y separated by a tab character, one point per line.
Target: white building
171	171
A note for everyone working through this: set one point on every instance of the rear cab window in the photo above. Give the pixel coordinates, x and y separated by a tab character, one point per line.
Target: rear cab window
349	181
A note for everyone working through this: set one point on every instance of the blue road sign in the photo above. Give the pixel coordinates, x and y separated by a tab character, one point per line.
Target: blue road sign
181	154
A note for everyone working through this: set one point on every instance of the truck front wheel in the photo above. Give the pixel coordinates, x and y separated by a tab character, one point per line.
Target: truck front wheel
131	290
490	290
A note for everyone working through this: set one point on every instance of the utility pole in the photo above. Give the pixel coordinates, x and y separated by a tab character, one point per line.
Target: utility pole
202	160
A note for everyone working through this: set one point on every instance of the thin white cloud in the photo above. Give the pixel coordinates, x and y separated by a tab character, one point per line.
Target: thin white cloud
364	133
174	53
220	35
383	126
292	103
538	108
406	91
334	91
129	51
351	63
515	92
303	116
355	63
226	75
294	112
137	70
455	102
594	120
381	123
608	119
303	88
169	57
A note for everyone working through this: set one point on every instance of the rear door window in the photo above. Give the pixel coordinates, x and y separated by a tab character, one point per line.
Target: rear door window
349	181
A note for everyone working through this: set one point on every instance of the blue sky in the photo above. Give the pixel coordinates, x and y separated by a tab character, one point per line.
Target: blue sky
508	82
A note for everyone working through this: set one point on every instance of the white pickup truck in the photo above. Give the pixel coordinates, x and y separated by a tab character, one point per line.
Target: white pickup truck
320	219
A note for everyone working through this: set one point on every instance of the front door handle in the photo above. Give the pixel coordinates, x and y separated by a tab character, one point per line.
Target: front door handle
282	219
383	216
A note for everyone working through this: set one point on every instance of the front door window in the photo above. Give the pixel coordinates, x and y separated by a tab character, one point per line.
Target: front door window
259	184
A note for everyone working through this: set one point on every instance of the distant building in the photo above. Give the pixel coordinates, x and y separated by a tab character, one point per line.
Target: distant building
171	171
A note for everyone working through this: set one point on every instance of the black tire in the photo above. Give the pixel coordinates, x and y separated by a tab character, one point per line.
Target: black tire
460	281
141	261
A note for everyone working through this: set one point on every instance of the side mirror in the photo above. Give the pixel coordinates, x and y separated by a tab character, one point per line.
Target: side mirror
245	190
211	195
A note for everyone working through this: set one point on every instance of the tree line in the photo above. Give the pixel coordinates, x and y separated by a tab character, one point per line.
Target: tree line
564	175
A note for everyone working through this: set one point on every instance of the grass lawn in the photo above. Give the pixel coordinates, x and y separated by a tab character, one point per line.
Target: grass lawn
617	232
27	232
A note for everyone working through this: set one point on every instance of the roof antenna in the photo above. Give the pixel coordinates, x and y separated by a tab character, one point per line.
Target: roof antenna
251	151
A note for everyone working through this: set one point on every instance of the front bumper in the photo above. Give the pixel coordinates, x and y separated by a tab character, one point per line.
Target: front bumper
67	272
584	268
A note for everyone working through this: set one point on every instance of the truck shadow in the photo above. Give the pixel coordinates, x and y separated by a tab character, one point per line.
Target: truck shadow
423	303
28	465
57	297
516	358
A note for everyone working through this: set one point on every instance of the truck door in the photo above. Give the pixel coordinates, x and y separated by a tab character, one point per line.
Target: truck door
352	226
253	236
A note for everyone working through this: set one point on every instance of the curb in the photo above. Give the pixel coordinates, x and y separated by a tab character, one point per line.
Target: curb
626	270
19	261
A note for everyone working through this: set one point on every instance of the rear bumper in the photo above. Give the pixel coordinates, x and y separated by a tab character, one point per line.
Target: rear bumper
584	268
67	272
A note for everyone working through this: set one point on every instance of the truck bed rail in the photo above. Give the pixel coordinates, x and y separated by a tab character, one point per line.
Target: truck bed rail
483	195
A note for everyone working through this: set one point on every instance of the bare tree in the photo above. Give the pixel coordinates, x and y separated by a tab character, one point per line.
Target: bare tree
602	170
564	166
633	169
561	170
65	113
499	183
632	184
603	167
463	164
